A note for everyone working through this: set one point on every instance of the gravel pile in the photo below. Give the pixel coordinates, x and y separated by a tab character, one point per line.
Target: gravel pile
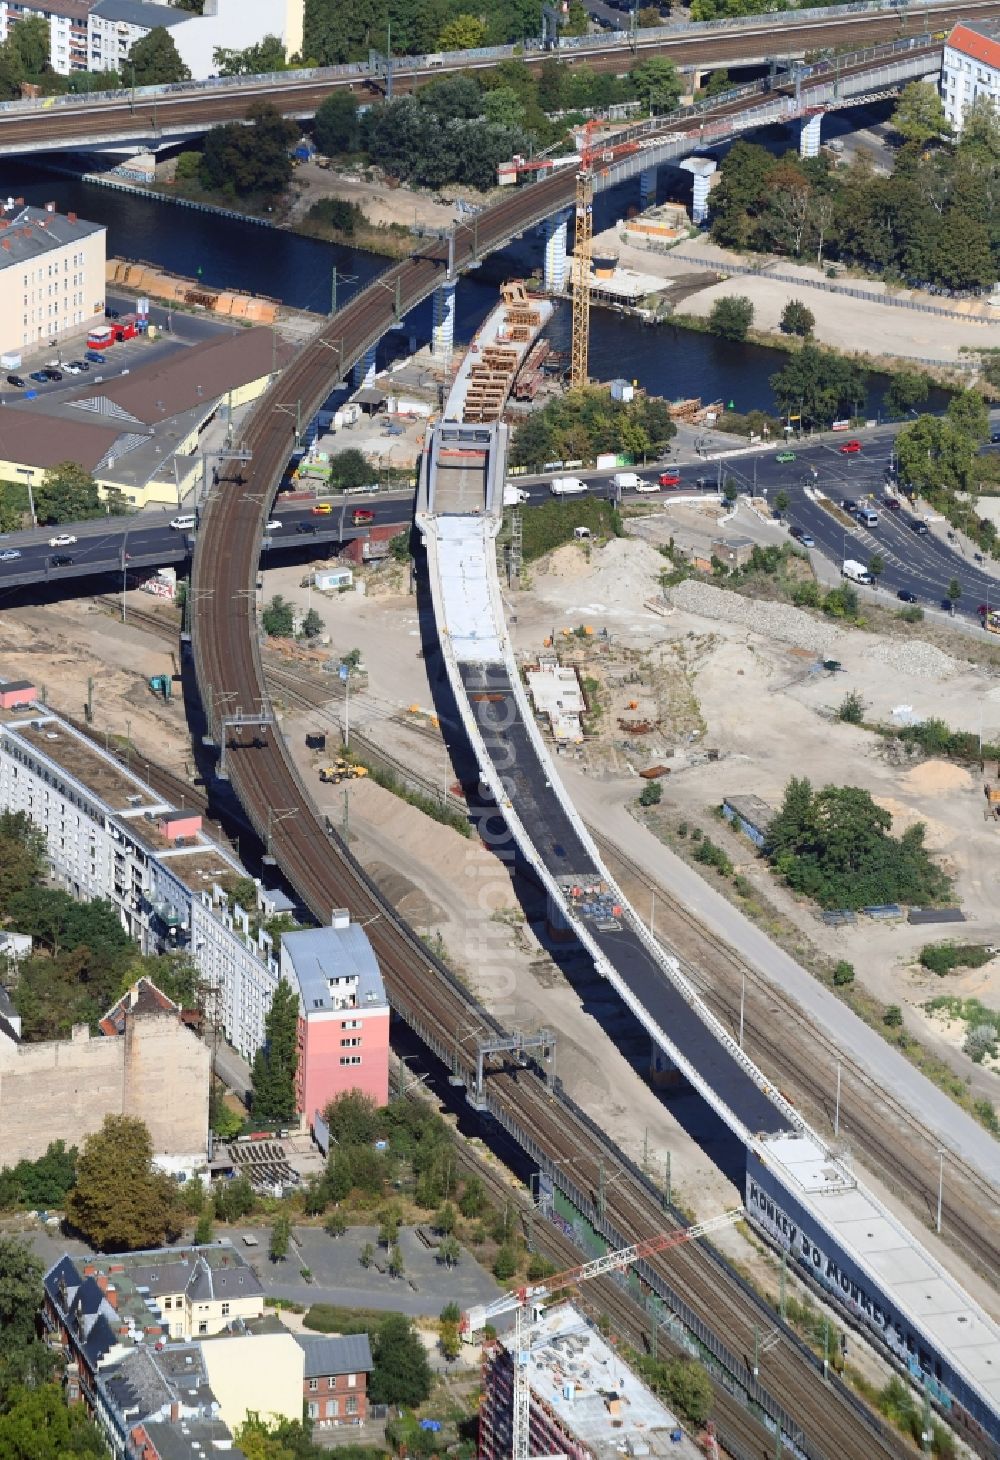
790	625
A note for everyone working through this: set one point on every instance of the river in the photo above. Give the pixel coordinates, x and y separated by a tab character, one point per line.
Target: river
666	360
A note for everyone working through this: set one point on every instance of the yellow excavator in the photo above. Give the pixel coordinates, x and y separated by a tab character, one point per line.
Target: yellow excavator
342	770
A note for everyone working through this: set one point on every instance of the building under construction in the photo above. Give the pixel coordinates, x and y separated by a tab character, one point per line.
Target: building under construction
586	1403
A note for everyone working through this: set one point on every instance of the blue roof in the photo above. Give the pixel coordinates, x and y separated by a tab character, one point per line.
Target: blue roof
320	956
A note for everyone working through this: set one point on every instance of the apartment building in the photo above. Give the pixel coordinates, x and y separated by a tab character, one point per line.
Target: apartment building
335	1378
109	835
170	1349
343	1014
970	69
67	20
51	273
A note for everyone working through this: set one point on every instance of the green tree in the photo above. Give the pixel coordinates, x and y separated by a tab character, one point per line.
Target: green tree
281	1232
187	168
337	123
267	56
819	386
349	468
11	71
234	1200
278	618
367	1255
22	1355
388	1229
651	794
969	414
120	1201
312	625
36	1423
462	33
275	1063
504	107
656	81
731	317
935	456
154	60
876	567
473	1198
354	1119
335	1225
576	22
907	389
919	114
444	1219
449	1252
797	319
401	1374
245	161
31	40
396	1264
505	1263
203	1232
843	973
893	1017
450	1341
67	493
954	594
782	502
23	856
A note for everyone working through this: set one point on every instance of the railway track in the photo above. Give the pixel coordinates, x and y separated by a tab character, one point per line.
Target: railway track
744	44
808	1061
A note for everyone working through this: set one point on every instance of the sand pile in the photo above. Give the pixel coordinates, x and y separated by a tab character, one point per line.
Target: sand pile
935	777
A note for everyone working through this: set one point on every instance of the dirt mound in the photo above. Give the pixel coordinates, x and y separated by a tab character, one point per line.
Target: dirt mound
934	777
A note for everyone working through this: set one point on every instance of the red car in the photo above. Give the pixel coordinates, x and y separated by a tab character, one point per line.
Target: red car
361	516
850	447
670	479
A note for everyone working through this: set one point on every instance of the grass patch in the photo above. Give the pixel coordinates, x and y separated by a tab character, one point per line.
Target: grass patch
942	958
552	523
331	1318
436	810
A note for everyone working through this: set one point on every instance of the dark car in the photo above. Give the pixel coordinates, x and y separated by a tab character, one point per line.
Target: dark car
309	527
15	380
61	560
994	437
40	376
805	538
94	357
848	504
905	596
112	314
891	504
50	373
915	525
79	365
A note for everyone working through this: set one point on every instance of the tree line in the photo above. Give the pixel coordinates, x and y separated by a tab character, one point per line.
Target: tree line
935	220
581	424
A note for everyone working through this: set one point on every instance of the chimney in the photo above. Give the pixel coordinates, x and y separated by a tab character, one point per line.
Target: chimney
111	1293
71	218
175	1411
102	1282
50	207
89	1269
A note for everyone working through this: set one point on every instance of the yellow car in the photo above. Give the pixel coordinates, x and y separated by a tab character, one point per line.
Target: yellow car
322	509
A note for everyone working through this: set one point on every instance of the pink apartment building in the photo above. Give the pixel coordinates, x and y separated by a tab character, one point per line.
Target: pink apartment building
343	1014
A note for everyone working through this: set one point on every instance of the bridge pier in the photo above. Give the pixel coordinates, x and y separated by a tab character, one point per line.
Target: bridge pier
554	270
663	1073
701	170
647	187
443	327
809	136
364	370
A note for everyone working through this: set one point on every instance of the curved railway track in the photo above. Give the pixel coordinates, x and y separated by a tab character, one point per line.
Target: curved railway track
230	675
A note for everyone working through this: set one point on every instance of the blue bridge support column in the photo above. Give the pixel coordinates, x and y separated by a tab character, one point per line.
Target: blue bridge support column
663	1073
556	231
443	326
364	370
809	136
647	188
701	170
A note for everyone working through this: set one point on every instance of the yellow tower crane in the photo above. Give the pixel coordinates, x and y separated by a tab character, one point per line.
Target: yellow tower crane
581	273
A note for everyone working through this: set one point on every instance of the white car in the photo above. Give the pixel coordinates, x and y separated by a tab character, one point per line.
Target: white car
647	486
273	525
63	539
70	368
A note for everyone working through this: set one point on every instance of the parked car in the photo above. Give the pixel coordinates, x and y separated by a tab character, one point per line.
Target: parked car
71	368
915	525
274	525
80	366
62	539
51	373
850	448
39	375
15	380
112	313
9	554
905	596
800	535
94	357
305	527
891	504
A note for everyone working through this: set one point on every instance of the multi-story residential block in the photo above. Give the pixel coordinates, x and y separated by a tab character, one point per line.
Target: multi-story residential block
114	26
51	273
170	1350
970	69
586	1403
67	21
108	835
343	1014
335	1379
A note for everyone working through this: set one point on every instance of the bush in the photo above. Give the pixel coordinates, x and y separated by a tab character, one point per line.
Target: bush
505	1263
942	958
797	319
980	1042
913	614
843	973
712	856
732	317
893	1017
852	709
651	794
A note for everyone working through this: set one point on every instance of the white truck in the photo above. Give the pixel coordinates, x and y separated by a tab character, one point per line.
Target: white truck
566	486
513	496
855	571
627	481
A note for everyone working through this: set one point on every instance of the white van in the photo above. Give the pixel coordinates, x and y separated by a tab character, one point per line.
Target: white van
184	524
867	517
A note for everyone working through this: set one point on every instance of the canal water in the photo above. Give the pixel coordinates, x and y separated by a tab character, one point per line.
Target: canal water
665	359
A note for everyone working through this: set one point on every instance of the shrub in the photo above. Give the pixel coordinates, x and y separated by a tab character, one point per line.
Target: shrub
893	1017
980	1042
843	973
505	1263
731	317
852	709
797	319
712	856
651	794
942	958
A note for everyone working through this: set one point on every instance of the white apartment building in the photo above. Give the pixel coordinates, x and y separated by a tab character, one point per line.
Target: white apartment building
67	29
114	26
51	274
970	69
110	836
